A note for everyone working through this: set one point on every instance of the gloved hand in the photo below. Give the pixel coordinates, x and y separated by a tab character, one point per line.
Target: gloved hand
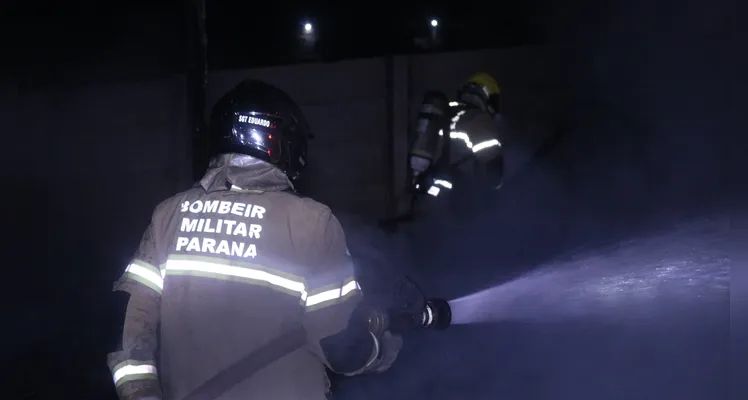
390	345
140	390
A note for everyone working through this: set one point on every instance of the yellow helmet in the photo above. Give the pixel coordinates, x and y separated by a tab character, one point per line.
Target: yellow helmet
486	82
482	87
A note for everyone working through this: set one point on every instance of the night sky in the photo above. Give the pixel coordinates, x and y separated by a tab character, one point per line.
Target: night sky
45	38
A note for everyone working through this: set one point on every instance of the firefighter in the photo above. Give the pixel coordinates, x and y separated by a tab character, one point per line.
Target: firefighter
459	139
252	286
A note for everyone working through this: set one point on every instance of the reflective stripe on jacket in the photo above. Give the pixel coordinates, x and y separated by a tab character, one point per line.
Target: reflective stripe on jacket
223	269
472	131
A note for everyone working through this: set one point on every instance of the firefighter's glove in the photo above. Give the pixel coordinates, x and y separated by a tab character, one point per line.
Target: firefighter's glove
389	348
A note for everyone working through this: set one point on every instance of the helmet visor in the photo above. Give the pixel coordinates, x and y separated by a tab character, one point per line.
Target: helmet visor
258	130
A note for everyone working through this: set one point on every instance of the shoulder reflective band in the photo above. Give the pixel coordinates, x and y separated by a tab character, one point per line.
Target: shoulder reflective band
461	136
331	296
466	139
486	144
131	370
456	119
146	274
453	134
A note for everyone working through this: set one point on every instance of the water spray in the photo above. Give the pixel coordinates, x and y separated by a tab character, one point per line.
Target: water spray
643	278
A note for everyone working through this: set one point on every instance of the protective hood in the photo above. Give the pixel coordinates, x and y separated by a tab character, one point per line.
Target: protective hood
244	172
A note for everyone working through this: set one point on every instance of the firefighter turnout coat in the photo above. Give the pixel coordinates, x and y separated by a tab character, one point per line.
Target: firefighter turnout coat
223	269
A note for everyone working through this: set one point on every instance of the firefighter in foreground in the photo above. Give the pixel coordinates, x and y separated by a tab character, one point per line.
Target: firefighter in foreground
459	142
252	285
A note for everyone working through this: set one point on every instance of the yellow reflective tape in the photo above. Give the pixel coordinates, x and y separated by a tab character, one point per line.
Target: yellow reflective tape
461	136
222	271
260	276
132	369
332	296
146	274
349	287
486	144
234	263
322	297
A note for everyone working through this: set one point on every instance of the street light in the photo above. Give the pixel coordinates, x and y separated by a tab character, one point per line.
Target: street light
434	31
308	39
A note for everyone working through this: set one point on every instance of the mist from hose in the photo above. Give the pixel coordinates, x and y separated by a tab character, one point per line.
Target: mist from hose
637	279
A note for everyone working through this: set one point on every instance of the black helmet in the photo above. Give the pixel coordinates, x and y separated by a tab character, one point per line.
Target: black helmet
260	120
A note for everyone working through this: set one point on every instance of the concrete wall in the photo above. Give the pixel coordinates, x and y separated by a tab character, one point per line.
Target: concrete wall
362	111
345	106
94	156
533	94
82	169
117	149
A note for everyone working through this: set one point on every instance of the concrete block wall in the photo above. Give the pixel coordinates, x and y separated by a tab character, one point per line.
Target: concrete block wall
83	168
100	157
345	103
362	112
532	98
117	149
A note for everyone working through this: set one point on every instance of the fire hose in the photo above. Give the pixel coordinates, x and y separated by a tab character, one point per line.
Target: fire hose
425	314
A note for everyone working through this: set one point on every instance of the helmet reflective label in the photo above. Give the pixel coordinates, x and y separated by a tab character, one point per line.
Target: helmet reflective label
248	119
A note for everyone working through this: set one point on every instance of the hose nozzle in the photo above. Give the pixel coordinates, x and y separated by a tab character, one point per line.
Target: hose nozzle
436	314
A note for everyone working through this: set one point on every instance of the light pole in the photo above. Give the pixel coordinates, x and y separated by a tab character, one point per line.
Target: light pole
308	39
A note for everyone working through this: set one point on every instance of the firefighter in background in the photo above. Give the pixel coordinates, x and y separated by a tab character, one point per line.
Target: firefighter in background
459	141
252	285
